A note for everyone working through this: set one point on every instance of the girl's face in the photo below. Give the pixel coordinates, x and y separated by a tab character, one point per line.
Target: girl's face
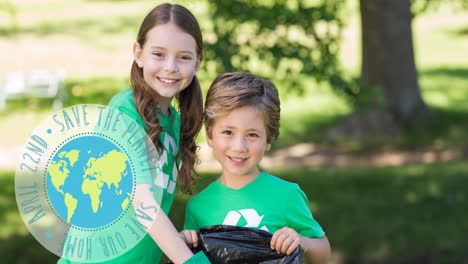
168	58
239	141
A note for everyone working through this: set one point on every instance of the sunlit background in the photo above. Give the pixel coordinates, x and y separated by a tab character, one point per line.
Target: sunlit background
395	197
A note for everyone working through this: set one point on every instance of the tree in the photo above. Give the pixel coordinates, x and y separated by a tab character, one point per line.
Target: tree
281	40
287	40
388	58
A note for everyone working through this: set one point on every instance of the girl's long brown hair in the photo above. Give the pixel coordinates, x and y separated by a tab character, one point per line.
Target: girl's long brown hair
190	100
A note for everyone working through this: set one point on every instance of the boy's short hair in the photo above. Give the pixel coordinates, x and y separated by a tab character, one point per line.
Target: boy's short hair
237	89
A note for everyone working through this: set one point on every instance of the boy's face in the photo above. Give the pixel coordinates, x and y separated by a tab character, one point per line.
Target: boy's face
239	141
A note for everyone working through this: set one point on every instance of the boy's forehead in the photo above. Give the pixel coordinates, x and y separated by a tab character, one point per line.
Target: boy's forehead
245	116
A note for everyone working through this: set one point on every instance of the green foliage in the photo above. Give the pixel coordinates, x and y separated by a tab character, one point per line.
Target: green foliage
282	40
420	6
7	6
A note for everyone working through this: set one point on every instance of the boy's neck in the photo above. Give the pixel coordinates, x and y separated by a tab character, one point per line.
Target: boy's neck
237	182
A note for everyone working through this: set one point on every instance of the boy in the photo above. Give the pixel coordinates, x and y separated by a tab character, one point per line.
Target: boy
242	113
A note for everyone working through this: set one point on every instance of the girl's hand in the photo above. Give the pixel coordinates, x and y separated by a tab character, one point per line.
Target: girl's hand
190	237
285	240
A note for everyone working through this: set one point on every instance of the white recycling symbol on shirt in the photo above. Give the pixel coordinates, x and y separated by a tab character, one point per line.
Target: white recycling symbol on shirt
250	215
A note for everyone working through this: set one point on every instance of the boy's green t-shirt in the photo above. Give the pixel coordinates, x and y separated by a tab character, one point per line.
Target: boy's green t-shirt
147	250
267	203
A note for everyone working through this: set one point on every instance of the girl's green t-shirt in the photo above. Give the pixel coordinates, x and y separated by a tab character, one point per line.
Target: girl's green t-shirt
170	137
147	251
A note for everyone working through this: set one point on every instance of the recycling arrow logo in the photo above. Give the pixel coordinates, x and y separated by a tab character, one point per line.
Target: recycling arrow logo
251	216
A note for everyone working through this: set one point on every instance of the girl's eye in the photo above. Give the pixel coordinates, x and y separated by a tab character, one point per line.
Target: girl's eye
227	132
253	135
157	54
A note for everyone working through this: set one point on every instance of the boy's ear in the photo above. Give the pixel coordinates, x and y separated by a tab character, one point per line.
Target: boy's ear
137	54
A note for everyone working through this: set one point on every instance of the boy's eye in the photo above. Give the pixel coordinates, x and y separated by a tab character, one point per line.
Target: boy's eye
227	132
186	58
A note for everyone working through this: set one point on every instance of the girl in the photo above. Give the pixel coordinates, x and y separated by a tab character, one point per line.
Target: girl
167	55
242	113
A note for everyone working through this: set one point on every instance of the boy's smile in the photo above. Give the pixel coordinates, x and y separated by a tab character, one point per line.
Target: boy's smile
239	141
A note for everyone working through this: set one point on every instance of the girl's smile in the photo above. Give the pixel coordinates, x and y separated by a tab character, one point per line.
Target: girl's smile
169	61
168	82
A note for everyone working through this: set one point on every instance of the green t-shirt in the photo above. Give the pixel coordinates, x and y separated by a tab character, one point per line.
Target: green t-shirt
170	137
267	203
147	251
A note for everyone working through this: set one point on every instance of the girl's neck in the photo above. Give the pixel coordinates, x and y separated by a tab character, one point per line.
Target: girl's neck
163	104
238	182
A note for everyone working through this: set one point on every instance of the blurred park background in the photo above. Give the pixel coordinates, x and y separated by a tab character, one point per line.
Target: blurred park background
374	108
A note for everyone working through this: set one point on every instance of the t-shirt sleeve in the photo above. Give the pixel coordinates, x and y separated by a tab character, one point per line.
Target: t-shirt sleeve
300	217
190	223
123	102
199	258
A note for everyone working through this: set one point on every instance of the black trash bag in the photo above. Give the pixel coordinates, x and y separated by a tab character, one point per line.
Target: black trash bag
243	245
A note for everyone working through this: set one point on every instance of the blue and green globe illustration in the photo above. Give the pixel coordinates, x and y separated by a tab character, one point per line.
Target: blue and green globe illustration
89	182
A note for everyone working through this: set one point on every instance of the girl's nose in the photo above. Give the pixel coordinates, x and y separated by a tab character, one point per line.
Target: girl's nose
170	65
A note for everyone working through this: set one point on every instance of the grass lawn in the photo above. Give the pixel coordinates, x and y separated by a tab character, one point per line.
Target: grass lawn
410	214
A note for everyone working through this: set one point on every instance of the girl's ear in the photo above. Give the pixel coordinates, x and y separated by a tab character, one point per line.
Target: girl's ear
137	54
268	147
198	63
208	138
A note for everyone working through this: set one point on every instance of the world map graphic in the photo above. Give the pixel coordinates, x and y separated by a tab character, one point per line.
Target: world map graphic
89	182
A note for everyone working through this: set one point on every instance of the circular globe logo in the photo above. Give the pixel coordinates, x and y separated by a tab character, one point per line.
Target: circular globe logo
89	182
80	180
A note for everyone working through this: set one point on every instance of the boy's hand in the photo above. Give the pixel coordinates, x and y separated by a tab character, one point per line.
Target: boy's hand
190	237
285	240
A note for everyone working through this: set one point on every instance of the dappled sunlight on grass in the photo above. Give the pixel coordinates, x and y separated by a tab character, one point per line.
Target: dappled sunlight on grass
17	126
445	87
95	90
448	127
400	214
304	116
439	46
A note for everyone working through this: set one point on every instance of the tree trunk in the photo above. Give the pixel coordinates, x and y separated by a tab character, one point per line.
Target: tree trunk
388	57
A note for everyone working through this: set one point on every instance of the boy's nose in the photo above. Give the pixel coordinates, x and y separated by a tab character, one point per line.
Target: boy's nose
239	144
